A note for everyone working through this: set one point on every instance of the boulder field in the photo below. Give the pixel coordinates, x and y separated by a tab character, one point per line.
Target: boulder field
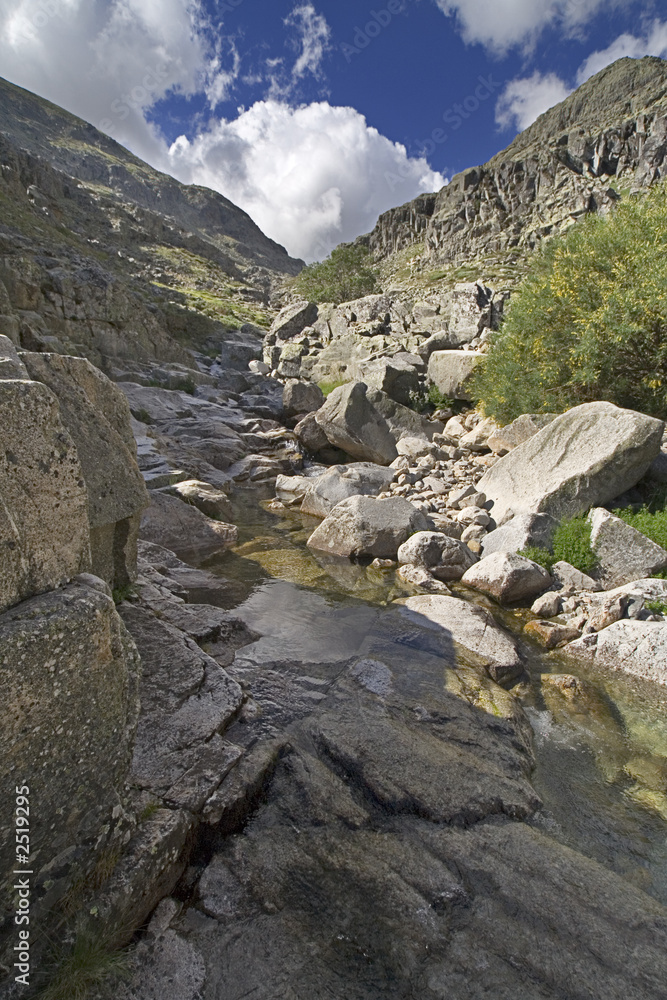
252	800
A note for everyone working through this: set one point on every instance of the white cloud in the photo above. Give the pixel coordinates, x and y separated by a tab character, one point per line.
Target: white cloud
314	42
524	100
108	60
653	43
501	24
310	176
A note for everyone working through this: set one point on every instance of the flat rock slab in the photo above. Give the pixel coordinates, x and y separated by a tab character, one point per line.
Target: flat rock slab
584	458
361	526
473	628
183	529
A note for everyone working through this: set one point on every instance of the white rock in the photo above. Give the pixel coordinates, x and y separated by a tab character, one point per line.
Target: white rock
507	577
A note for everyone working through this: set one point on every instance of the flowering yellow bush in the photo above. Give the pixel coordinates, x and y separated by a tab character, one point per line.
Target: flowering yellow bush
590	320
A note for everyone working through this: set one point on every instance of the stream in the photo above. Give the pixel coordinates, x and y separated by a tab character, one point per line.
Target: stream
354	881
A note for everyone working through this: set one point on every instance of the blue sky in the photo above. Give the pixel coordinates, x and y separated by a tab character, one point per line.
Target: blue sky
317	116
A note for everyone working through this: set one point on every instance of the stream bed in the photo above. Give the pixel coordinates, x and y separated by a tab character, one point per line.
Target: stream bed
409	841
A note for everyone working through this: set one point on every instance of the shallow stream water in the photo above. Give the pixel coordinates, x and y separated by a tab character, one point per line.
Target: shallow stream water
601	773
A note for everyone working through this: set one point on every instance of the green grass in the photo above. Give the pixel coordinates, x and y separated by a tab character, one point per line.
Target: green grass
87	964
571	543
328	387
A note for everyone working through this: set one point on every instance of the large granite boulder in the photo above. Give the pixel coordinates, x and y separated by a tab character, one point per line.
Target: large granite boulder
582	459
343	481
634	647
361	526
301	397
449	371
507	438
507	577
444	557
292	320
44	533
70	677
472	628
622	552
367	424
519	533
394	376
97	416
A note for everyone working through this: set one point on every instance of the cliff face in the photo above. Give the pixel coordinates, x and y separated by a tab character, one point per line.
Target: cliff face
606	140
112	258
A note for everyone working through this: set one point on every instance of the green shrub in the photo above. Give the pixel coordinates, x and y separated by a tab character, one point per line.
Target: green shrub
541	556
572	543
346	274
657	606
653	524
589	322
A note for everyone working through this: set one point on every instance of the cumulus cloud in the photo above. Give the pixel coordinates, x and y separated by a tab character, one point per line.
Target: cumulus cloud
310	176
653	43
501	24
524	100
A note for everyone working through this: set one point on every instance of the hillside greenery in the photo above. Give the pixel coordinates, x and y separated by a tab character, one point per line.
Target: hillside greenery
347	273
589	322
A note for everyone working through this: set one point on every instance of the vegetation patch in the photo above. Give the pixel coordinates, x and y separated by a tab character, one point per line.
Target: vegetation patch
571	543
589	322
346	274
86	965
652	523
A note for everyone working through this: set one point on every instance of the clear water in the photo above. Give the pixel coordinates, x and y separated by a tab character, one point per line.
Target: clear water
601	773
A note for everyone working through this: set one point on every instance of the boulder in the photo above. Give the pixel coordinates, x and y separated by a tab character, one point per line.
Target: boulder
507	438
184	530
471	627
206	498
507	577
568	577
582	459
11	366
310	435
635	647
367	424
97	415
343	481
420	578
293	319
444	557
623	553
520	532
471	311
69	674
394	376
478	438
301	397
361	526
551	635
44	530
449	371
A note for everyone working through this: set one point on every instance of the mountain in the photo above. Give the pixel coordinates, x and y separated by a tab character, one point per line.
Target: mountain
111	257
607	139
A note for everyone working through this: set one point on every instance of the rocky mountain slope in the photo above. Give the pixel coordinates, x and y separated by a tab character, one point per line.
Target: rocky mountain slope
607	139
111	257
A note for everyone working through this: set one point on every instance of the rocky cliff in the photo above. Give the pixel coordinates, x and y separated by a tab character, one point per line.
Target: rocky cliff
102	256
607	139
